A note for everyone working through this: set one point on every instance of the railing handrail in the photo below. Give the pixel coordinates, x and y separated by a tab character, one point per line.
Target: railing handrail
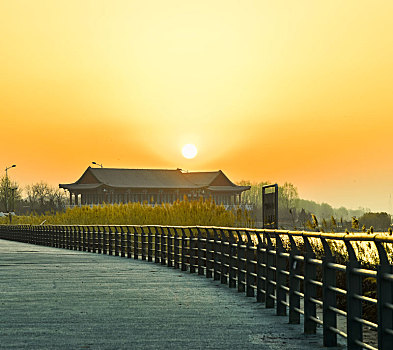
339	236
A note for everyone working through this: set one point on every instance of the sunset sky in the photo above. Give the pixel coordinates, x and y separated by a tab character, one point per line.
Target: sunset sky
298	91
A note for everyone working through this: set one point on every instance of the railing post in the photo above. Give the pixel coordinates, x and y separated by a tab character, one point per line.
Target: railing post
51	237
200	253
92	235
217	256
384	299
281	263
163	245
294	283
149	245
69	238
329	297
89	232
56	241
55	235
209	254
62	239
270	272
48	236
135	243
40	234
231	260
104	240
261	269
73	243
354	305
143	243
183	250
241	264
84	238
83	233
224	258
27	233
249	266
385	307
169	248
44	235
37	235
110	241
59	234
117	240
33	236
73	234
80	237
156	246
92	239
310	290
192	251
129	251
176	249
99	240
122	242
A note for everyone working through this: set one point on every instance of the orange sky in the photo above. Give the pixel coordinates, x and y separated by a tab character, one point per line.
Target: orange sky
267	90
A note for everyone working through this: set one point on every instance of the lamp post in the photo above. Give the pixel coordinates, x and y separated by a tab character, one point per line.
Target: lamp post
97	164
6	189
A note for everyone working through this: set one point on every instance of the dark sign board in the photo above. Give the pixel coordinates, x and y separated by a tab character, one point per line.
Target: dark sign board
270	206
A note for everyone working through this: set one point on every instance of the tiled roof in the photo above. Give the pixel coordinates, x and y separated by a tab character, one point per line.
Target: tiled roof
201	178
138	178
150	178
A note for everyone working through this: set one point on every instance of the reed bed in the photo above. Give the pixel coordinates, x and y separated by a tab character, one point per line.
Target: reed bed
180	213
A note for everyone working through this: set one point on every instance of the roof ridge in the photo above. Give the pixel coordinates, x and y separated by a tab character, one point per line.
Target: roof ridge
134	169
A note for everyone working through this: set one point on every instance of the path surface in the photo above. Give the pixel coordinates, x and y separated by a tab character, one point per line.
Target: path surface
60	299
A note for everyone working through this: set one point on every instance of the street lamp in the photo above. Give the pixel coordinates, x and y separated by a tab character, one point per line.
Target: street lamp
6	169
97	164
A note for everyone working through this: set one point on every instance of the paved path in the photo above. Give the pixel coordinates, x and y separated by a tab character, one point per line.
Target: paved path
60	299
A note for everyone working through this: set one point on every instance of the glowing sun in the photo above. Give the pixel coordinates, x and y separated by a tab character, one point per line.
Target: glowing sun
189	151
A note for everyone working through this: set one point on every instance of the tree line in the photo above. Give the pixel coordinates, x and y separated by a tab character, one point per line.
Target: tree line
36	198
297	213
293	211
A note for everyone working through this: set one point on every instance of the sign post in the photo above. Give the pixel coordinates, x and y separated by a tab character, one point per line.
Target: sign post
270	206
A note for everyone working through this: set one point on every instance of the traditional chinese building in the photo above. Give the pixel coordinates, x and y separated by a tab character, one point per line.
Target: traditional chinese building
107	185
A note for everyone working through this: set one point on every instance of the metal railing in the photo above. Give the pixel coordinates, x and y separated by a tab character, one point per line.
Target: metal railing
297	273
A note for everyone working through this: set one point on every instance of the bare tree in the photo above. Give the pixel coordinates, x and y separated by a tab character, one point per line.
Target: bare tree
41	198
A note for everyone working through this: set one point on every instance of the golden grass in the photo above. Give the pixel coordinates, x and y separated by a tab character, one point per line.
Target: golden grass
180	213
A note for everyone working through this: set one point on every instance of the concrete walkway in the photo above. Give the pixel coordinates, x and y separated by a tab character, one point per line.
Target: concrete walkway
60	299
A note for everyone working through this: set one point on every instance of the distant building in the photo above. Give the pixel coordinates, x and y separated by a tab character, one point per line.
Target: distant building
108	185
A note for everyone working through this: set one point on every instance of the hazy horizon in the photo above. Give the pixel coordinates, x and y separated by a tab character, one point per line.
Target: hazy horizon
285	92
